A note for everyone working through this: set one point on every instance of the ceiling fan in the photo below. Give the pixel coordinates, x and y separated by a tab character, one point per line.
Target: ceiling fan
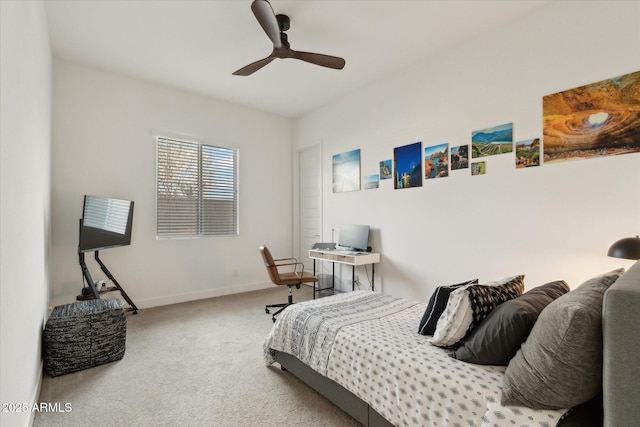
275	27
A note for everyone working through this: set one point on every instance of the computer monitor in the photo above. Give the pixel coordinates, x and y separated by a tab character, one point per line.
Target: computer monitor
354	237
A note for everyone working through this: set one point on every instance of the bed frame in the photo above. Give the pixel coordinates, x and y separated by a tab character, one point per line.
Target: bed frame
616	406
338	395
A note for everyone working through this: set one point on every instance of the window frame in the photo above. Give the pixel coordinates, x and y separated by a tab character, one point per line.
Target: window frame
202	214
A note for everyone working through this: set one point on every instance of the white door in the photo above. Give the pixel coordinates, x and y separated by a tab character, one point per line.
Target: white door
310	202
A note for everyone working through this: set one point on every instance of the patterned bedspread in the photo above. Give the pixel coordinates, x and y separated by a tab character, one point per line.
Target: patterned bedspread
368	343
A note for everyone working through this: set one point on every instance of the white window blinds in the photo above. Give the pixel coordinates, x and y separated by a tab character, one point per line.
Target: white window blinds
197	189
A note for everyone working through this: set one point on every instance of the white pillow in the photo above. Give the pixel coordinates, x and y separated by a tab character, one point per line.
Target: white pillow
469	305
455	320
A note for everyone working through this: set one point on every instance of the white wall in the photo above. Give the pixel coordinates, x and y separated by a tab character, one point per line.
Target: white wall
103	145
25	159
551	222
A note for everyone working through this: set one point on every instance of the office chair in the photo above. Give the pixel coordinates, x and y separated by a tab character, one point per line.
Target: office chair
290	279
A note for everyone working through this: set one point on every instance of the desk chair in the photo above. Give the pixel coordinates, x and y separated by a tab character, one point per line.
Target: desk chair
290	279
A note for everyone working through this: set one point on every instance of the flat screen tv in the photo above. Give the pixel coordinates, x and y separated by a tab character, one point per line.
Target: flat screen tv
354	237
106	223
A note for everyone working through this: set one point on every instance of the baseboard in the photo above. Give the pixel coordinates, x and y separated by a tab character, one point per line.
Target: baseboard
178	298
193	296
35	397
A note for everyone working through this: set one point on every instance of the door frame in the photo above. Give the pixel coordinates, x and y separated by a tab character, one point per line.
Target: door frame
297	235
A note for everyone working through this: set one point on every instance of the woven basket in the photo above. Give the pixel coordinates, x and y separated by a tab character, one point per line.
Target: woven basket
84	334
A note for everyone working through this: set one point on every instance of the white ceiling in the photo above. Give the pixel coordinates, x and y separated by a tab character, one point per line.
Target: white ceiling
195	45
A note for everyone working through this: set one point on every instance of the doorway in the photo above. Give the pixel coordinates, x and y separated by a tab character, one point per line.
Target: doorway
309	202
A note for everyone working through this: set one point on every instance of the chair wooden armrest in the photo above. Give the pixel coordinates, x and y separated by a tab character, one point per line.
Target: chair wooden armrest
285	259
296	264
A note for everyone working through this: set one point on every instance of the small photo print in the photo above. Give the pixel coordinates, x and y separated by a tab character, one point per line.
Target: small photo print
346	171
528	153
478	168
436	161
371	181
460	157
385	169
492	141
408	166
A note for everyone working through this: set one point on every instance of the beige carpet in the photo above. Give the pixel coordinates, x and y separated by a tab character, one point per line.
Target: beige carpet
193	364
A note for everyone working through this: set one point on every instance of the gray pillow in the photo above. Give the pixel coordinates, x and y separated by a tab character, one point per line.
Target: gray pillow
497	339
560	364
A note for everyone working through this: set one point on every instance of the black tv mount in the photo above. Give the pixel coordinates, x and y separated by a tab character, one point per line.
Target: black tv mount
95	293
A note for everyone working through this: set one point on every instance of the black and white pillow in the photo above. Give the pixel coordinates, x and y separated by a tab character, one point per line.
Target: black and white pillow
436	306
469	305
484	298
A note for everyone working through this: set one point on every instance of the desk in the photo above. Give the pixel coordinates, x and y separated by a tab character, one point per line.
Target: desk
345	257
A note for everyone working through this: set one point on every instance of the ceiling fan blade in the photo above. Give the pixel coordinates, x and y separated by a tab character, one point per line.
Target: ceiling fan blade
254	66
319	59
267	18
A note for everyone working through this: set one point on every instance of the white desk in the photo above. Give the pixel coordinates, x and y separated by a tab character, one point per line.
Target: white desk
345	257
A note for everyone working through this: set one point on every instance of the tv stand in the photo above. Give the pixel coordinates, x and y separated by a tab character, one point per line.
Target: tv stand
95	293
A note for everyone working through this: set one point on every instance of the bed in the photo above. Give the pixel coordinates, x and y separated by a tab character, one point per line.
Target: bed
362	352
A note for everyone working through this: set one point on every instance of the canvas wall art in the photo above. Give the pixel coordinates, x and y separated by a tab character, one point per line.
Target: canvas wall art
346	171
436	161
460	157
527	153
408	166
385	169
492	141
599	119
371	181
478	168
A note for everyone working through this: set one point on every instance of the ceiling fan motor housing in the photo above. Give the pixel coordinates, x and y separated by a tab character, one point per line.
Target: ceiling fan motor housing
283	22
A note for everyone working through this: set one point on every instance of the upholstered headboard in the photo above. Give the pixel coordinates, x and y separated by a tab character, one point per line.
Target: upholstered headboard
621	355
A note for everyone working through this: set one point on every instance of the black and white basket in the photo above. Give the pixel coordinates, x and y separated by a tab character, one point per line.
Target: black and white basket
84	334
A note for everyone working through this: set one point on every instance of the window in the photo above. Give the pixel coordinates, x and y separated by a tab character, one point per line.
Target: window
197	189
